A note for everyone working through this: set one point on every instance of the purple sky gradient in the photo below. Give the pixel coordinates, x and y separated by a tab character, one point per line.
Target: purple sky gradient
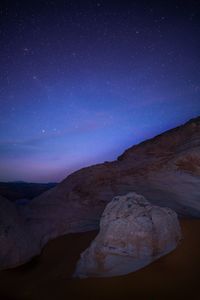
81	81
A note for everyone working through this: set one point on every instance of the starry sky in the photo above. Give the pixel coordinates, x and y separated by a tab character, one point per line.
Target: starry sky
81	81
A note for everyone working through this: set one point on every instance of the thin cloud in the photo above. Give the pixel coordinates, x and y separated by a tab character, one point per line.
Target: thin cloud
98	122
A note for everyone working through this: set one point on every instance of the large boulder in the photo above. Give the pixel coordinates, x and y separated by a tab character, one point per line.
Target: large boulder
16	243
133	233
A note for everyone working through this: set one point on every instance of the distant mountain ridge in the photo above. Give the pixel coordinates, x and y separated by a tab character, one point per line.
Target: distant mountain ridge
15	190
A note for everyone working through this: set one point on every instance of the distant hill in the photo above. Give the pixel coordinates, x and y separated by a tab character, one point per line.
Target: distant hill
23	190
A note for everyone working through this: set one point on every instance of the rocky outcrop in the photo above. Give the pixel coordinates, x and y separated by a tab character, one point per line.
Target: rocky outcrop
164	169
133	233
16	243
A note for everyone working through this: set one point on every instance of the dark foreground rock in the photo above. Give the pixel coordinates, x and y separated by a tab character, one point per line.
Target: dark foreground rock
16	243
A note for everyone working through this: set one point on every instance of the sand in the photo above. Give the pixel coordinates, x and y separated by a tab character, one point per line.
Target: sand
175	276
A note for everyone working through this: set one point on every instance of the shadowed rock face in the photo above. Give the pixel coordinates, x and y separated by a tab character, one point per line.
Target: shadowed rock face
165	169
133	233
16	244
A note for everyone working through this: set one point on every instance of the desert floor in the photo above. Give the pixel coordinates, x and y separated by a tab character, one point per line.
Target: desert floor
175	276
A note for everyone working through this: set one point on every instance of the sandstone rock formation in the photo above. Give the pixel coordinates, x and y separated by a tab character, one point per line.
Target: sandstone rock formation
133	233
165	169
16	244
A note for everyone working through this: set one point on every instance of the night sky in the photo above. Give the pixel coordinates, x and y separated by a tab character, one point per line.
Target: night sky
83	80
